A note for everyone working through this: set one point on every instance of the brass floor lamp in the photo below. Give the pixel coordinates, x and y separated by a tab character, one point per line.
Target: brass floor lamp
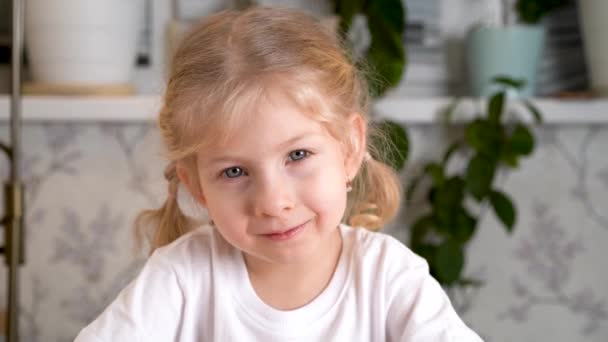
13	221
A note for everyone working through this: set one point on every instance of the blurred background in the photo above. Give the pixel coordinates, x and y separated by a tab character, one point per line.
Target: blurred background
507	180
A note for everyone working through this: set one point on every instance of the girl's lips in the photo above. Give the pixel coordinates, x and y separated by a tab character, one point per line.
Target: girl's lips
286	235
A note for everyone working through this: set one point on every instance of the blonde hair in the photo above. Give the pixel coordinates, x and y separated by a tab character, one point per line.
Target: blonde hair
233	60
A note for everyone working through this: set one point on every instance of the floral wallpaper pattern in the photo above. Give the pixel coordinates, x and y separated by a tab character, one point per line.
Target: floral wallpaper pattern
86	182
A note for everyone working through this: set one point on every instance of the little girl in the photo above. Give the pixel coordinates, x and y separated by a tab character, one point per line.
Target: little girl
264	122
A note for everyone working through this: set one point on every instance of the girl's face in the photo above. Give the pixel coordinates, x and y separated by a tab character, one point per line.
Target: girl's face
277	189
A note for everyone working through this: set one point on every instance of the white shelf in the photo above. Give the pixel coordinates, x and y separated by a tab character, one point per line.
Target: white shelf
555	112
85	109
144	108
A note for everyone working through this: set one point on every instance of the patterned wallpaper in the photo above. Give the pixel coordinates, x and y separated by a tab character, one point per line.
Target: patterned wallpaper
545	282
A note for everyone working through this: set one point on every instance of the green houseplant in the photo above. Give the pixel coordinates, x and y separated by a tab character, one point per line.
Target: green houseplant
532	11
385	58
386	52
442	234
491	141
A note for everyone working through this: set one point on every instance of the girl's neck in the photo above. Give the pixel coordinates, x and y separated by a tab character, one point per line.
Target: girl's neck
288	287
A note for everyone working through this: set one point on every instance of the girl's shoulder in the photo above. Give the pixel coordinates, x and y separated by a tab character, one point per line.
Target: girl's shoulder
193	250
378	249
415	306
201	236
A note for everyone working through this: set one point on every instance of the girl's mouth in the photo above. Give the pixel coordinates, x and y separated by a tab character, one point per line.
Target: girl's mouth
286	235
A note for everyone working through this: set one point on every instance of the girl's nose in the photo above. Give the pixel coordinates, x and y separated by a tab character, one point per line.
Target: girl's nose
273	197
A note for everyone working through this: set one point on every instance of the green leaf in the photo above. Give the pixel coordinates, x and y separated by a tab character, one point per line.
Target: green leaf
427	251
479	177
387	69
450	193
538	117
504	209
436	172
418	236
508	156
449	262
485	137
495	107
447	201
464	226
522	141
532	11
446	157
398	144
420	228
509	82
386	55
391	11
432	194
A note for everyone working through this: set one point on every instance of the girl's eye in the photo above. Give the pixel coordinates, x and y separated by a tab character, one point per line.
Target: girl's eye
233	172
298	155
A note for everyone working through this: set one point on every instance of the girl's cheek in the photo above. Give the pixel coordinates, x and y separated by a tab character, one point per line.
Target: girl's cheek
324	185
308	168
223	185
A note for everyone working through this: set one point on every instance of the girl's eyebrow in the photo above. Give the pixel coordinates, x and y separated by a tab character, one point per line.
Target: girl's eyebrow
298	138
229	158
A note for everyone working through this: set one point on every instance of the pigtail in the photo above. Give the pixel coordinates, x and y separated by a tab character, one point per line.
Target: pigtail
375	197
167	222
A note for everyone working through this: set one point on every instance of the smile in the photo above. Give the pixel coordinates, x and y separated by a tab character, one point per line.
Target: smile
287	234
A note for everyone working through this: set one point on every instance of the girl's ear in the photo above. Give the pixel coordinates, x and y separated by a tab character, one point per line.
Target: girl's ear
190	180
357	147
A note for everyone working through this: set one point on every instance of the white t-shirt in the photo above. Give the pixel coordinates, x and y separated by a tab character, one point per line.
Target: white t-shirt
197	289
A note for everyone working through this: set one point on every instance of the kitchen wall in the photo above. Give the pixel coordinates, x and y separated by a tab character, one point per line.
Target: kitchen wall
545	282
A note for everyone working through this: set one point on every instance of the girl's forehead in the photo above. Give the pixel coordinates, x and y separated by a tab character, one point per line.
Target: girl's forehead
266	113
273	121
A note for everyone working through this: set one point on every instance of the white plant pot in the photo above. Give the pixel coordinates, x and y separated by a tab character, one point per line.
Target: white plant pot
595	36
85	42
